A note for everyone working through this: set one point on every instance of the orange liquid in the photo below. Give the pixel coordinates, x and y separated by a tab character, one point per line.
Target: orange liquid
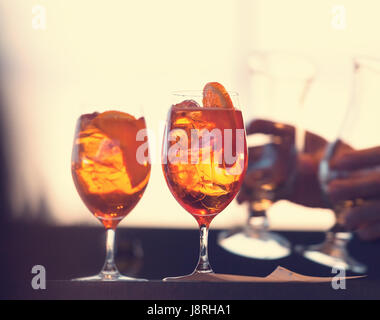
107	175
205	188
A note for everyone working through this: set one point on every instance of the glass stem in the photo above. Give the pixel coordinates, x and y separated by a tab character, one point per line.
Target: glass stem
257	220
109	265
338	237
203	263
256	213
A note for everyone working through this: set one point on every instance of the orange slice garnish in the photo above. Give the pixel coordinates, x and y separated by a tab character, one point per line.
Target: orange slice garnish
123	128
215	95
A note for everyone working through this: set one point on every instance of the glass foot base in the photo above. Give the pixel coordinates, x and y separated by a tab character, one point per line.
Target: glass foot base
331	255
256	244
108	276
195	276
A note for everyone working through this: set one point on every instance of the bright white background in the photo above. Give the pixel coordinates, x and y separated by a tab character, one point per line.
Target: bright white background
135	53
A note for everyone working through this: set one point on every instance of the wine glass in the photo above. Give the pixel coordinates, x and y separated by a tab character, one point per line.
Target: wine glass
204	157
279	84
111	169
350	169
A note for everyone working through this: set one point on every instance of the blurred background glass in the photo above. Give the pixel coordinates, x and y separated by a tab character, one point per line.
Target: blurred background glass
357	179
280	83
63	54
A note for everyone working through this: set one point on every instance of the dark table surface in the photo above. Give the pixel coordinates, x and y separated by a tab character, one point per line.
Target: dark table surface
69	252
